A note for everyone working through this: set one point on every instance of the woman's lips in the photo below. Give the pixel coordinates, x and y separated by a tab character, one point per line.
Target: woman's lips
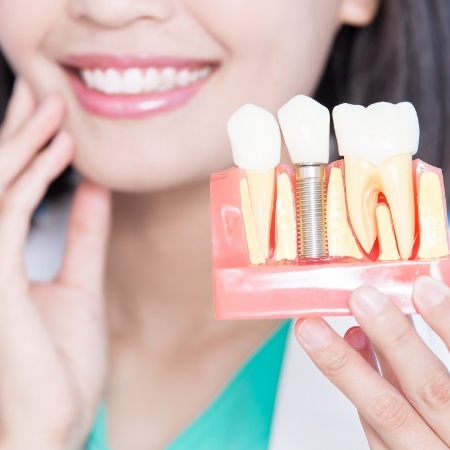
127	87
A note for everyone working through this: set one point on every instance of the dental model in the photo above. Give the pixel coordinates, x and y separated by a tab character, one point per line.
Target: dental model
385	215
256	145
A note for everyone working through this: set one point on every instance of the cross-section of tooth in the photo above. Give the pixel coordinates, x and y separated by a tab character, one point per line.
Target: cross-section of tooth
377	143
306	129
340	237
433	226
286	247
386	236
256	144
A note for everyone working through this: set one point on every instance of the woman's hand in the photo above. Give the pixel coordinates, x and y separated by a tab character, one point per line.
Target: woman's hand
52	335
409	406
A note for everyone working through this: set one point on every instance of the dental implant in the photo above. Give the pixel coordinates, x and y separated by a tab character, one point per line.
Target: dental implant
305	124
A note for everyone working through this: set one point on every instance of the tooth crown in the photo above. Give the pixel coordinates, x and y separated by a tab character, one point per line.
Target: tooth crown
306	129
377	132
255	138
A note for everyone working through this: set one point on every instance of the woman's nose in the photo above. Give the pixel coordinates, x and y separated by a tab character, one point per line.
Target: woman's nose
117	13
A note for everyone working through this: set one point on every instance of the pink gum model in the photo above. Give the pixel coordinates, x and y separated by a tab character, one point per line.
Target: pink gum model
300	288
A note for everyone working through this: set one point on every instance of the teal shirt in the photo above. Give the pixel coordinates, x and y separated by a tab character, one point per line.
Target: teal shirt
241	415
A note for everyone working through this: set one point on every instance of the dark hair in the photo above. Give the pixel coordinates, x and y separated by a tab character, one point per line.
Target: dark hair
404	54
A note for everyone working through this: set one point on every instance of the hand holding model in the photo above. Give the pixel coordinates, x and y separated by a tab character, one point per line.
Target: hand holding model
401	390
52	335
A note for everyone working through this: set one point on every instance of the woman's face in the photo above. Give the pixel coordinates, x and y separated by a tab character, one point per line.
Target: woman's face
147	131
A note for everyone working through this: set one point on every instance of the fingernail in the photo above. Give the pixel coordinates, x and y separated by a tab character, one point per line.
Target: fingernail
429	292
357	338
368	301
314	333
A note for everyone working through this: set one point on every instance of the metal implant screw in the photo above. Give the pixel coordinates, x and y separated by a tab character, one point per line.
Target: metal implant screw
311	211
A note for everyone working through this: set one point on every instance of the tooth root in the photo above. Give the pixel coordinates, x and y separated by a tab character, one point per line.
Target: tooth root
397	184
362	200
286	247
340	237
386	236
433	226
251	234
261	188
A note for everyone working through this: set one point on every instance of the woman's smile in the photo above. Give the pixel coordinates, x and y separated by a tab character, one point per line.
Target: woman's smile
128	86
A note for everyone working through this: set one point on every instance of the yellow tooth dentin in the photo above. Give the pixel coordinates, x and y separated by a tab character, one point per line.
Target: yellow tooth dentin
251	234
286	247
261	188
364	181
433	226
340	237
386	236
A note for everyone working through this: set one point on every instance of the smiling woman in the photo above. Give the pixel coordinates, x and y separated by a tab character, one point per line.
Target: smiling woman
135	95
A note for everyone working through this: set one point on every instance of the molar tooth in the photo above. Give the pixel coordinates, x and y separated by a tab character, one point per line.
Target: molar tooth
377	144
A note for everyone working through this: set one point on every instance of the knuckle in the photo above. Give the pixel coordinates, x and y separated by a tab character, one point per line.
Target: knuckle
435	393
399	335
390	412
337	364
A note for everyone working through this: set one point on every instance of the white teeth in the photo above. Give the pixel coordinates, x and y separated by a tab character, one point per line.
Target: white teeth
151	80
133	81
112	82
98	79
138	81
255	138
377	132
183	78
88	78
168	78
306	130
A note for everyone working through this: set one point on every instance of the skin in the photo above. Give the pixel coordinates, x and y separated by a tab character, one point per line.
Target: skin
135	359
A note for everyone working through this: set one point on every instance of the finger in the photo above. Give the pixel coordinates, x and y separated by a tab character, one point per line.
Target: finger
388	373
384	408
22	199
432	299
423	378
87	238
356	337
17	151
386	369
373	438
20	108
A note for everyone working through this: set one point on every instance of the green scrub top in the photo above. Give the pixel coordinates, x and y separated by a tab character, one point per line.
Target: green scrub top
241	415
